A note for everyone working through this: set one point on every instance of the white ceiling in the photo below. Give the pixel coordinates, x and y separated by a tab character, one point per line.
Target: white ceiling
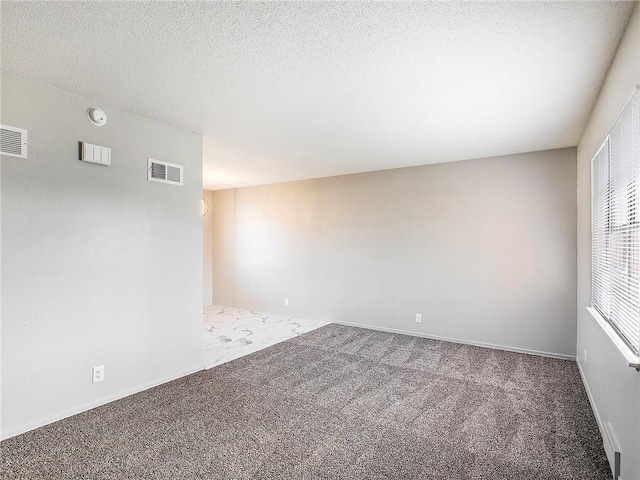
288	91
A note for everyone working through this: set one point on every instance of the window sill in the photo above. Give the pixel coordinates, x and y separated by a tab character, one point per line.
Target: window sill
631	358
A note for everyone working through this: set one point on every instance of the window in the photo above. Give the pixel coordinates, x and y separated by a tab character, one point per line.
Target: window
615	226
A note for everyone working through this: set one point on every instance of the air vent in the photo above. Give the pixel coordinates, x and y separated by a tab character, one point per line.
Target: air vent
13	141
164	172
611	449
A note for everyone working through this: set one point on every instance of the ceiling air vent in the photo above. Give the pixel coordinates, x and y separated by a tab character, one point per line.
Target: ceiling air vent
164	172
13	141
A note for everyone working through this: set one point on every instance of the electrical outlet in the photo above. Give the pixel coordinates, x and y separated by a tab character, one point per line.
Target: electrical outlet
418	317
286	301
585	356
98	374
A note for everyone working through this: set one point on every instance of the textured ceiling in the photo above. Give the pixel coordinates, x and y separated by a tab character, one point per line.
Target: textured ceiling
286	91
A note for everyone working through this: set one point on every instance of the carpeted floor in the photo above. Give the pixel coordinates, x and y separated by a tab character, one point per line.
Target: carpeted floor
336	403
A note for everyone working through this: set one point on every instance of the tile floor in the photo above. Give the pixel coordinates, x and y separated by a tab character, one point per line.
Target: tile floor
231	332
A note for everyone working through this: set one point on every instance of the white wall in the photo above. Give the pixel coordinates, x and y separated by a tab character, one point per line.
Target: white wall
614	387
484	249
207	252
99	266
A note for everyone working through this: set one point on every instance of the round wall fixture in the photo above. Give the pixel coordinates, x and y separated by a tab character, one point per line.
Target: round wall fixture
97	116
205	207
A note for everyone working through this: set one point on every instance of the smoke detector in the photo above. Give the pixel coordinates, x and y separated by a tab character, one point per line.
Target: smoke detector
97	116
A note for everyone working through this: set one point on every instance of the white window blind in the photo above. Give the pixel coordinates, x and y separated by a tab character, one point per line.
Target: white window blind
615	176
600	266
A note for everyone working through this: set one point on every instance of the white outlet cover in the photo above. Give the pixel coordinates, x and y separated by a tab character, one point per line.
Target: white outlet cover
418	317
98	373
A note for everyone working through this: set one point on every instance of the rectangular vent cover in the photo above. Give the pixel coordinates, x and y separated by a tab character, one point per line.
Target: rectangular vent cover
164	172
611	449
13	141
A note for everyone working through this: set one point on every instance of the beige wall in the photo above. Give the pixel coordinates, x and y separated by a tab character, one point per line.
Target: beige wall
99	266
484	249
207	252
614	387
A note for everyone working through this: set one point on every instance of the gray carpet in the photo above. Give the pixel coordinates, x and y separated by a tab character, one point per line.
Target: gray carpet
336	403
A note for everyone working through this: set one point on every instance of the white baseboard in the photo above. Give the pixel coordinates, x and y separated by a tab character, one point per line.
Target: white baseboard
560	356
601	427
590	397
83	408
528	351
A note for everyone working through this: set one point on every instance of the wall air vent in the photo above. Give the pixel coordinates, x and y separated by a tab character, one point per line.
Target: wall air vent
13	141
164	172
612	449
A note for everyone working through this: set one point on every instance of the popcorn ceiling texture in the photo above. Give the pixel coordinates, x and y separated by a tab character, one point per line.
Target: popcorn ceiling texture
336	403
285	91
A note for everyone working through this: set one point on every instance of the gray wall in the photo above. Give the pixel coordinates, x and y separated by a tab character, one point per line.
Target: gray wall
99	266
484	249
614	388
207	252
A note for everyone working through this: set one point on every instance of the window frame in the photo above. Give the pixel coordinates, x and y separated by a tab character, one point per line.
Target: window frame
604	259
